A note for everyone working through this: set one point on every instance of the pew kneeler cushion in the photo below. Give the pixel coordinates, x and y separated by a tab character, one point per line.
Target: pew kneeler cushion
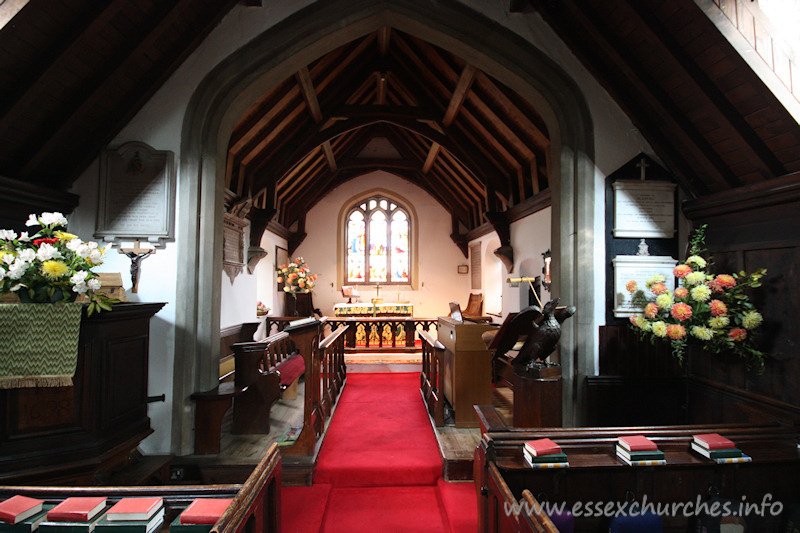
642	523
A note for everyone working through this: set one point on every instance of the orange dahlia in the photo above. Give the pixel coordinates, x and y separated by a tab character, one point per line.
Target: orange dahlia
631	286
682	311
681	271
681	292
658	288
726	281
738	334
650	310
718	308
676	331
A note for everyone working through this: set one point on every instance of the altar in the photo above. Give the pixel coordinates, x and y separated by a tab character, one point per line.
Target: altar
370	309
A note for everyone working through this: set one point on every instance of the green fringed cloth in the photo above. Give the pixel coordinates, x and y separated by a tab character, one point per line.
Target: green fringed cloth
39	344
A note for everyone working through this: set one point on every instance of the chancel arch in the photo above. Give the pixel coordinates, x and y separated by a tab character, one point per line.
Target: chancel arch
230	89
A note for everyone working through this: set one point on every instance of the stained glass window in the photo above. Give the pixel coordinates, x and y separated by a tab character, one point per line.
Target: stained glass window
378	243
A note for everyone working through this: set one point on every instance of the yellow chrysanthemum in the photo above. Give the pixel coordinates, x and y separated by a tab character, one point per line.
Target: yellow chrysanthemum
719	322
655	278
664	301
642	323
694	278
752	319
703	333
64	236
659	328
54	269
697	260
701	293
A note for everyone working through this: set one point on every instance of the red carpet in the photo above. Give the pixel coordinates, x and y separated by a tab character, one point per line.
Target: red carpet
380	435
379	468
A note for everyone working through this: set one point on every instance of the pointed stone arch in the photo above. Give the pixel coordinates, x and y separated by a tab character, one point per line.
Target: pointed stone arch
228	90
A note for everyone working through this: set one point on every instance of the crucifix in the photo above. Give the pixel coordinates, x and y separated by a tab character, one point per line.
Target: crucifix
642	164
136	254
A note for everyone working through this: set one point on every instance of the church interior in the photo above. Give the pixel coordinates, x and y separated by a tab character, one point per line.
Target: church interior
366	258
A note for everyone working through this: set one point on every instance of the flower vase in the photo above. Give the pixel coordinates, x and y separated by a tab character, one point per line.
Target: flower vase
290	305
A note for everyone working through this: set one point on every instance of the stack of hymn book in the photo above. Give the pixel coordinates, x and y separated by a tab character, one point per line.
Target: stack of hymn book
544	453
22	514
638	450
718	448
200	516
133	515
77	514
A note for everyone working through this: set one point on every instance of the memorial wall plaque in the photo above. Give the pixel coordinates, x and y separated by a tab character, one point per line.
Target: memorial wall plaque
638	268
644	209
137	194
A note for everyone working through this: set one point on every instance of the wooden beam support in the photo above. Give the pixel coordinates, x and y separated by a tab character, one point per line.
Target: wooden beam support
384	38
330	158
309	94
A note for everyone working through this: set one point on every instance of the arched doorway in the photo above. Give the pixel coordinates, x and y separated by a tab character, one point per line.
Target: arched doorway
228	90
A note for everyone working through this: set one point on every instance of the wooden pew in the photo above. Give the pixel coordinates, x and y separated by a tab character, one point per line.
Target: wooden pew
265	369
211	405
432	351
256	504
263	372
595	474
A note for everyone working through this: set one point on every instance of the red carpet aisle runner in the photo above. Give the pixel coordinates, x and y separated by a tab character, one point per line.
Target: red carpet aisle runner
379	469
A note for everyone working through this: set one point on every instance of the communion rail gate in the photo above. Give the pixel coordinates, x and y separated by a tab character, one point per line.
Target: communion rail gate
371	334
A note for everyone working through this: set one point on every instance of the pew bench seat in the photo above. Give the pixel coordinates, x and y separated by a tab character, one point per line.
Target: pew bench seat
210	409
290	371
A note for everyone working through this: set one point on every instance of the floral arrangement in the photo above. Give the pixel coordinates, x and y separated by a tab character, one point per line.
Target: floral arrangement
51	265
296	277
713	311
261	309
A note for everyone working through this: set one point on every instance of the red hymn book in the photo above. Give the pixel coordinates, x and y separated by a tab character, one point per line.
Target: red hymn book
714	441
637	443
540	447
135	508
205	510
18	508
77	509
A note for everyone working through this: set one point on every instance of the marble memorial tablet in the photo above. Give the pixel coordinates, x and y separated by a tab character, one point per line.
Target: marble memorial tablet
137	194
644	209
638	268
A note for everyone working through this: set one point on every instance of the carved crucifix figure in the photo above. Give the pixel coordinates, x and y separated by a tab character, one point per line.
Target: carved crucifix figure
136	254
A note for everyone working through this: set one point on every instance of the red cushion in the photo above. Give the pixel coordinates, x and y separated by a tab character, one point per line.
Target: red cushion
291	369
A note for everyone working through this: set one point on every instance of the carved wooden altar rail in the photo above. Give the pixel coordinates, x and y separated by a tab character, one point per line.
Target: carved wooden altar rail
595	474
409	326
432	351
255	506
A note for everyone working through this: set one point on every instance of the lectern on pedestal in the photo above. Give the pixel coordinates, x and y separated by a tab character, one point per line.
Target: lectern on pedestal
537	398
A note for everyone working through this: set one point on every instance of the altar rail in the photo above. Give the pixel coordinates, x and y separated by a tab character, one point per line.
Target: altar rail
255	507
372	334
